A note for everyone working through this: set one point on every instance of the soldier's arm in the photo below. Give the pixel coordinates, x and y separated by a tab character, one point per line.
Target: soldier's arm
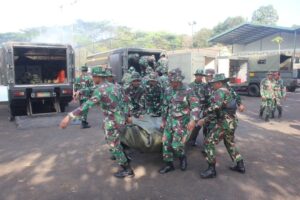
76	84
194	105
262	92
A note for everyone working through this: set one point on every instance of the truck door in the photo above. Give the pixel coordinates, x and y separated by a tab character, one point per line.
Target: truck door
115	62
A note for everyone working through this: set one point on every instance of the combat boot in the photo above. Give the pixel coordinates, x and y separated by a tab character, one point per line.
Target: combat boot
210	172
183	162
126	171
169	167
85	124
239	167
267	118
261	112
279	112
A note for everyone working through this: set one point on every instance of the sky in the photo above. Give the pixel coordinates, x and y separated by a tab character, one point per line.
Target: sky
155	15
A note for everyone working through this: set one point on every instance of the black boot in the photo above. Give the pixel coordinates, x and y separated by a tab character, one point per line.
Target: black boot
126	171
169	167
279	112
210	172
261	112
267	118
85	124
183	163
239	167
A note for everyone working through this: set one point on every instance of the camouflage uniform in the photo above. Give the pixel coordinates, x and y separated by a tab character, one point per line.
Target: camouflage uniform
199	89
221	114
179	107
109	98
149	70
136	97
84	84
279	93
127	77
146	61
162	63
267	94
153	96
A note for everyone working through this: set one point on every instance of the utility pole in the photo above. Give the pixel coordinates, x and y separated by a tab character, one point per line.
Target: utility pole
192	24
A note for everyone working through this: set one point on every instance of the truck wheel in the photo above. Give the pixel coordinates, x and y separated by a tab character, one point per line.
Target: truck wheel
291	89
253	90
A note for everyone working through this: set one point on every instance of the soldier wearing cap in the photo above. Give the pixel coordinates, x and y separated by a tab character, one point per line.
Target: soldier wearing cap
153	95
279	93
180	111
135	94
109	98
127	77
83	88
163	61
148	71
221	113
267	95
199	87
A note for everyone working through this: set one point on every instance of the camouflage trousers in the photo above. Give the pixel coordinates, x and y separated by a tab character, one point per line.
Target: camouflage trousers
84	115
112	137
267	105
216	134
277	103
174	137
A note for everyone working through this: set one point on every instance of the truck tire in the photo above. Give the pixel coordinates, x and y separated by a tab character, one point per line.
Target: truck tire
291	89
253	90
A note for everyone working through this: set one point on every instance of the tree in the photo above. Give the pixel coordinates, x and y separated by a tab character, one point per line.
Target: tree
265	15
201	37
228	24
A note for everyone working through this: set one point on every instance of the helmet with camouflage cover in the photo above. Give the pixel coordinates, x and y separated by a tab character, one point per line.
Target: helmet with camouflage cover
109	72
175	75
84	68
152	76
99	71
135	77
163	54
149	70
161	70
219	78
200	72
131	69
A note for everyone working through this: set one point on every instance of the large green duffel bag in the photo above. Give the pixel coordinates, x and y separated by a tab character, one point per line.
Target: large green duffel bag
144	134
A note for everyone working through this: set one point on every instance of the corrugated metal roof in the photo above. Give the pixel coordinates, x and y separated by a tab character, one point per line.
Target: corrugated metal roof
247	33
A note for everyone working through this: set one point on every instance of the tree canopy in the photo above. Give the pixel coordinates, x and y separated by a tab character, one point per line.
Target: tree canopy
265	15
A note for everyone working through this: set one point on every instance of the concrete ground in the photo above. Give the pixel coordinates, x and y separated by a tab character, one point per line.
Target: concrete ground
40	161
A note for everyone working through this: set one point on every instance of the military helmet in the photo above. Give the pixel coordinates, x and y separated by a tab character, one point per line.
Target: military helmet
84	68
163	54
200	72
149	70
135	76
152	76
209	72
109	72
175	75
99	71
219	78
131	69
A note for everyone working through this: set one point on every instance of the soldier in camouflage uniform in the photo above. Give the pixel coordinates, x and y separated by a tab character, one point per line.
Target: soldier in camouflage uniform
163	78
180	111
153	95
127	77
108	97
221	114
149	70
147	61
135	94
83	86
279	93
199	87
267	96
162	62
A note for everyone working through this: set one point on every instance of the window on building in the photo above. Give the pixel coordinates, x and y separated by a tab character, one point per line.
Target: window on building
261	61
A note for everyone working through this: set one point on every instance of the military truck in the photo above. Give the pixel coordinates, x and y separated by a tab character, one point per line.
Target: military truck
119	59
36	78
246	72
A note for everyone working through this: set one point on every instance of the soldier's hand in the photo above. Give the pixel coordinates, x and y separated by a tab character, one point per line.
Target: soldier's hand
65	122
242	108
163	125
201	122
263	98
191	125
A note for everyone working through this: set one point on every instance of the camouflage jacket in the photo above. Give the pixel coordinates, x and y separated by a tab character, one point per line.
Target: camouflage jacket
180	102
110	100
235	95
217	112
199	90
126	80
208	92
279	89
84	84
153	98
267	88
163	81
163	62
136	99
